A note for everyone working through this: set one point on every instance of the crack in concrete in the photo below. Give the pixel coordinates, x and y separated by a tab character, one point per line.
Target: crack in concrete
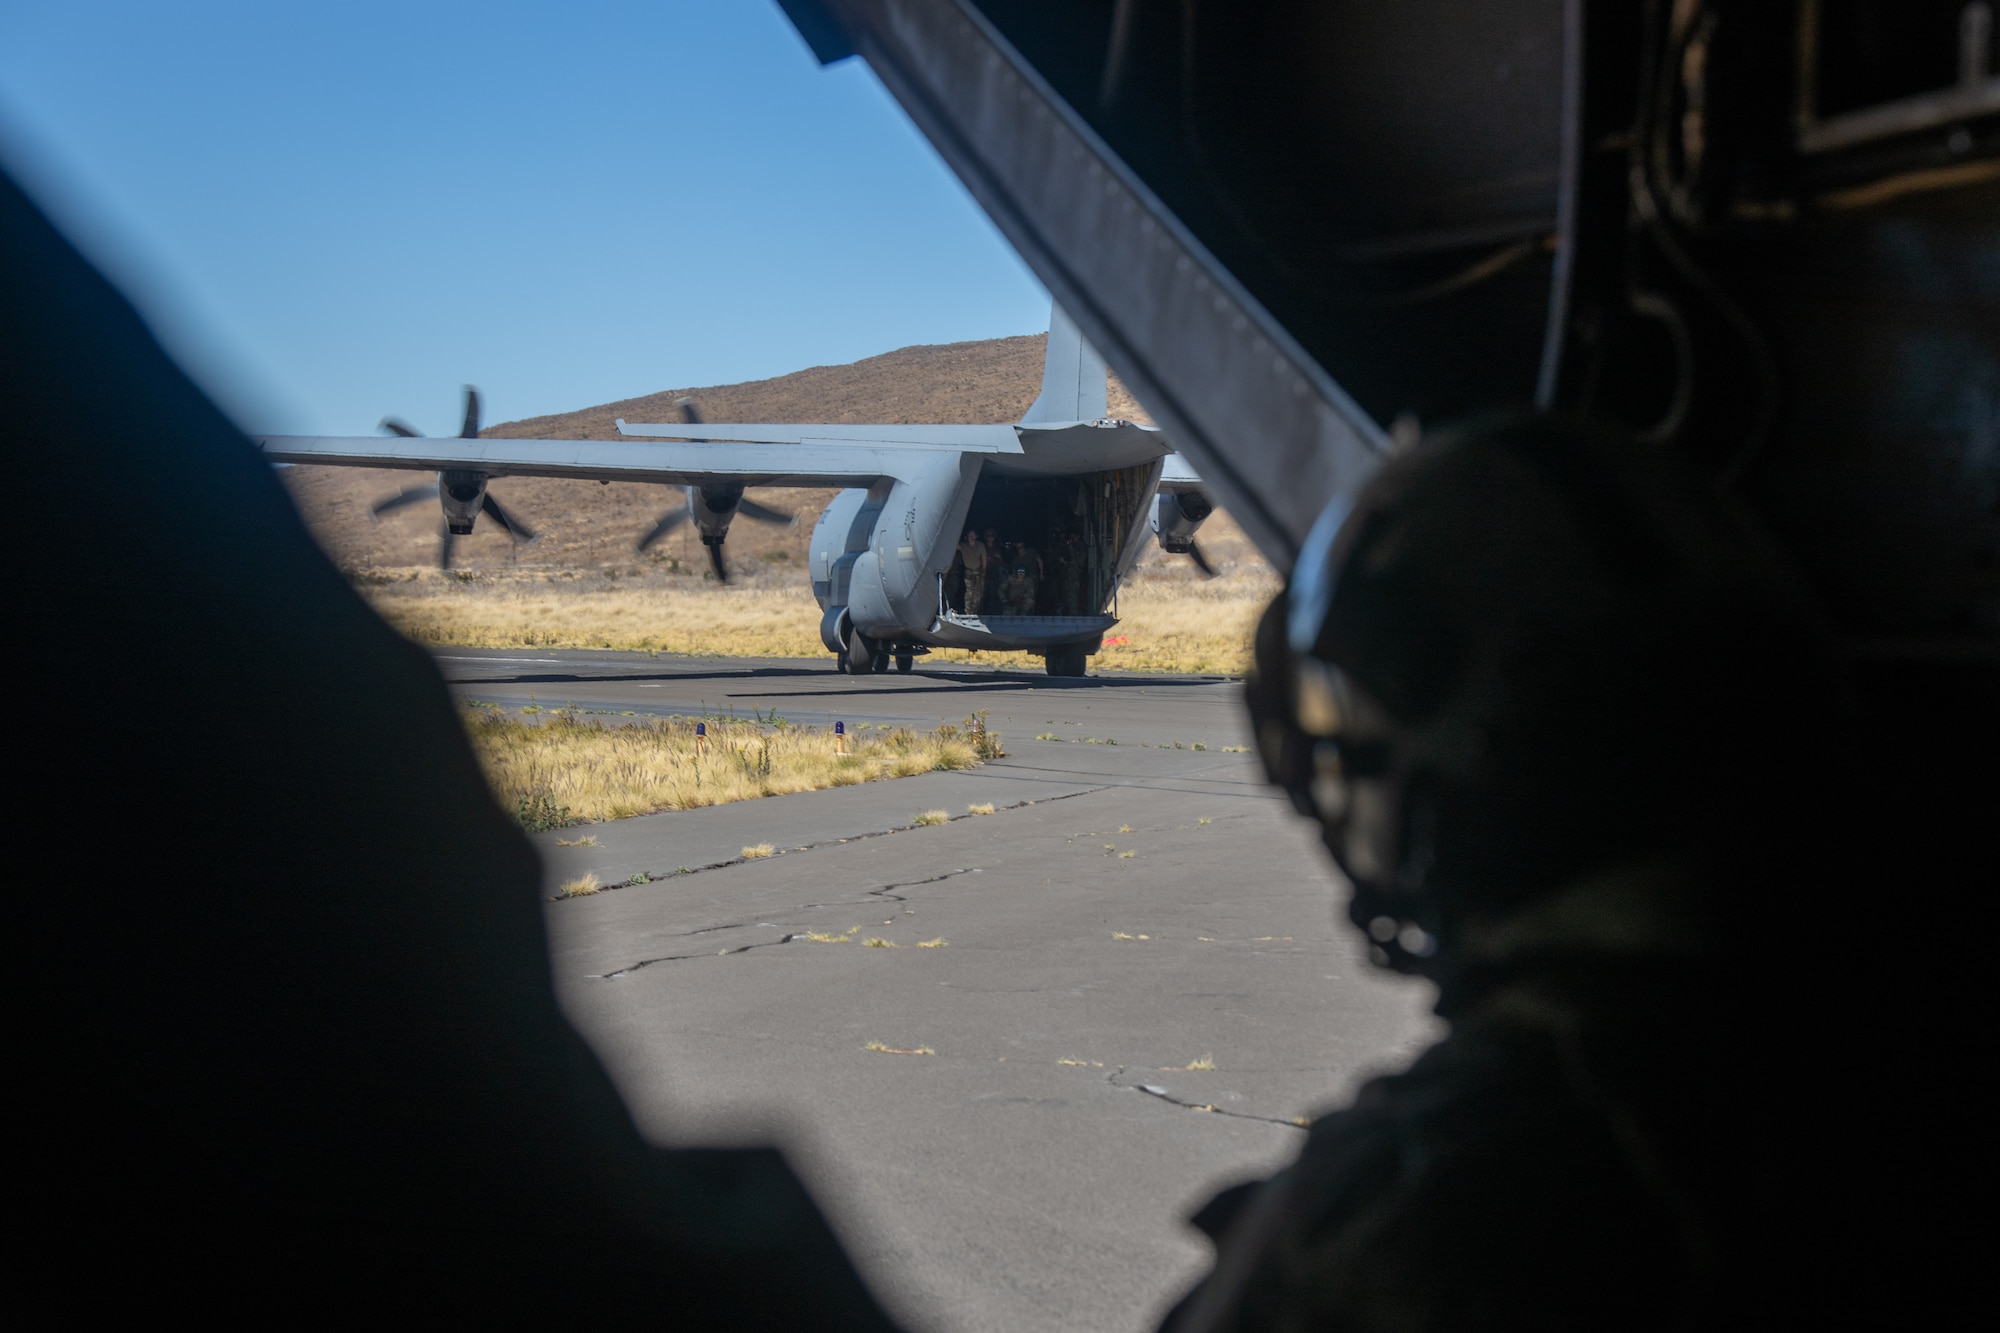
648	877
683	957
886	891
1158	1093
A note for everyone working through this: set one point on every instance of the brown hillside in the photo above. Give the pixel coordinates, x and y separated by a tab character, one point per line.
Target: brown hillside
593	527
994	380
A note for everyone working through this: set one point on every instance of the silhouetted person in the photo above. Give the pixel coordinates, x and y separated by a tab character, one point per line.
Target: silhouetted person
1071	573
1569	728
295	1044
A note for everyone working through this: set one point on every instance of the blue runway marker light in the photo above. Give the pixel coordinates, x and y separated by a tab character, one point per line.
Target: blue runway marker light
840	728
701	728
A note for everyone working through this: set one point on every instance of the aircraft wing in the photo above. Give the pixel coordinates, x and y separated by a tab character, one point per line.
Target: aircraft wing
804	456
1001	439
703	453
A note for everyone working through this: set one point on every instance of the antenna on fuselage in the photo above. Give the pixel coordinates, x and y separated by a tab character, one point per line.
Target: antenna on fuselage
1073	386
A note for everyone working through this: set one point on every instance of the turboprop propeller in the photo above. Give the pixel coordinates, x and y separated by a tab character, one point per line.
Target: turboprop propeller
712	508
459	492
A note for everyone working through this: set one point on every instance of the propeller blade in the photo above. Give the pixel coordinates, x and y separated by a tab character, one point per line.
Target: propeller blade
409	495
749	508
670	520
717	564
471	427
444	547
1200	559
512	526
398	426
690	414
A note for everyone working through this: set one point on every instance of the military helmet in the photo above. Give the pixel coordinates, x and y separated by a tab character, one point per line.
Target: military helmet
1528	651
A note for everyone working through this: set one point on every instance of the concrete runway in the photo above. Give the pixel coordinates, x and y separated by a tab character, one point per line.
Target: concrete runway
1128	911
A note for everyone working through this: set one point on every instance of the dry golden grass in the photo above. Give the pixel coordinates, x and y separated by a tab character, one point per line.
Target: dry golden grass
697	619
885	1049
983	808
582	886
1166	623
564	768
930	818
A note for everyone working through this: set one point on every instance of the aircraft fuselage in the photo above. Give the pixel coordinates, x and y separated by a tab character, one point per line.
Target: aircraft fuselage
1071	515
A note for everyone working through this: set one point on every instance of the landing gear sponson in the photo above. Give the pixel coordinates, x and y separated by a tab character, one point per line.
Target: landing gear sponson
864	656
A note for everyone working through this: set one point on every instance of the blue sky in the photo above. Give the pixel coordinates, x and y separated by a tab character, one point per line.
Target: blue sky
335	211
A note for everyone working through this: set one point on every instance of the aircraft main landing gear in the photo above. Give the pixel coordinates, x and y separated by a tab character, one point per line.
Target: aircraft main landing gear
861	655
1069	660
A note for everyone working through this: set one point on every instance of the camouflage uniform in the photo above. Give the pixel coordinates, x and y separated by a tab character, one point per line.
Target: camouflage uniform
976	558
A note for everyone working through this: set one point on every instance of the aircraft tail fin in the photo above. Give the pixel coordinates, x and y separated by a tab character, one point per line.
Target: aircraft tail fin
1073	386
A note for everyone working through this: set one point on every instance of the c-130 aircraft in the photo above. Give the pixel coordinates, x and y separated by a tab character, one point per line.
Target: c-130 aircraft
1068	481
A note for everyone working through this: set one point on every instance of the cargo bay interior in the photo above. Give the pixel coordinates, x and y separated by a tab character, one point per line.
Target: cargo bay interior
1050	544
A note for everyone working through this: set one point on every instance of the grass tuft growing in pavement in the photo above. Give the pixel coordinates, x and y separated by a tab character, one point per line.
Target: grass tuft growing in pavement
929	818
565	769
582	886
984	808
759	852
894	1050
931	944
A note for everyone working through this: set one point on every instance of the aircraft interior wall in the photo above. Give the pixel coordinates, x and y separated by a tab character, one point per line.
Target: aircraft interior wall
1063	535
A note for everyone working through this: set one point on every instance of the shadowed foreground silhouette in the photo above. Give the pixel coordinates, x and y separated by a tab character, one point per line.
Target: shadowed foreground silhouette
289	1033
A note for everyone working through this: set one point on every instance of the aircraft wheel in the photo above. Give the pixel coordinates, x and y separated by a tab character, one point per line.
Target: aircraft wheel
860	655
904	661
1070	661
840	663
880	663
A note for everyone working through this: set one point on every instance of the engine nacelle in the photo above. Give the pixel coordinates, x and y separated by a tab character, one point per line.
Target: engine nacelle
714	508
461	493
1176	515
